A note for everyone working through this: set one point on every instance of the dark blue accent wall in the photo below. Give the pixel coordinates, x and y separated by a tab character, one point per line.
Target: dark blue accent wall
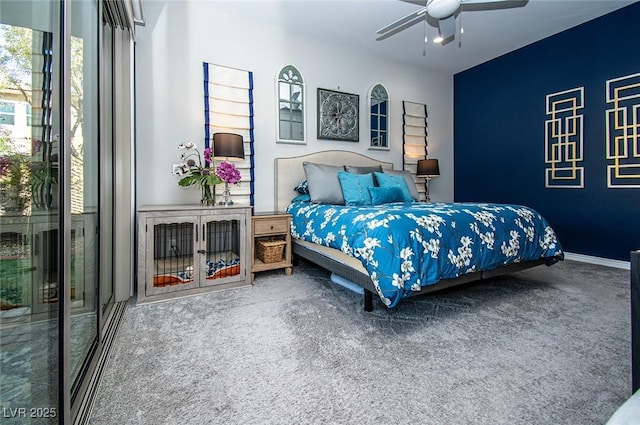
499	132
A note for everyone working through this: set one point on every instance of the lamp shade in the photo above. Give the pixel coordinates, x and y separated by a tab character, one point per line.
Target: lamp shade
228	146
428	168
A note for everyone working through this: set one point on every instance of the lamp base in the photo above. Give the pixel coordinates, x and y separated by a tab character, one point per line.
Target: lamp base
426	189
227	196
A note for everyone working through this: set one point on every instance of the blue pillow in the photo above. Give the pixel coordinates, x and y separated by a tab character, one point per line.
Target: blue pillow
408	178
303	197
386	180
384	195
355	188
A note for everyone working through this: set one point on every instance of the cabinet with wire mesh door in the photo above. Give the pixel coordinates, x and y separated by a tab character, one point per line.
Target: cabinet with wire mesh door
187	249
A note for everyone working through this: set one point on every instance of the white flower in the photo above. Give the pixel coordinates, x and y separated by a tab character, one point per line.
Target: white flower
179	169
407	267
330	238
397	281
511	250
371	243
406	253
186	145
433	246
488	239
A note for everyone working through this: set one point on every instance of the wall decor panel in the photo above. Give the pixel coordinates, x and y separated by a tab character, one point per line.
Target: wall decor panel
623	132
228	108
415	140
564	145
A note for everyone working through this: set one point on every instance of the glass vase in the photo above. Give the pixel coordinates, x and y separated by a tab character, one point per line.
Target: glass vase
208	195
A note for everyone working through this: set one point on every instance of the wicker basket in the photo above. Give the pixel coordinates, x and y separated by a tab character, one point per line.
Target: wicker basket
270	250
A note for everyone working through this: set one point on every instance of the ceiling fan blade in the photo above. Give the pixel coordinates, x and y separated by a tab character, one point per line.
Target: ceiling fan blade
479	5
418	14
447	27
417	2
403	27
483	1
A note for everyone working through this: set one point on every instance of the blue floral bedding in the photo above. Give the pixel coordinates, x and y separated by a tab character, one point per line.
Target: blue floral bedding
404	246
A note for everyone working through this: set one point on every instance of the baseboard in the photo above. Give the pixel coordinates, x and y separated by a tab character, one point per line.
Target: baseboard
618	264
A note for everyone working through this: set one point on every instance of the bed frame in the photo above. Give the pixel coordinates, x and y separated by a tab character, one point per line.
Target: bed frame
289	172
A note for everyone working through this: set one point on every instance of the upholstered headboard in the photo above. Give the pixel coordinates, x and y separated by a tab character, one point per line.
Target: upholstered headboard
289	171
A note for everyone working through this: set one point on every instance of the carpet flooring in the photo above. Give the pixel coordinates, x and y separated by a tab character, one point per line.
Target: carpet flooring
549	345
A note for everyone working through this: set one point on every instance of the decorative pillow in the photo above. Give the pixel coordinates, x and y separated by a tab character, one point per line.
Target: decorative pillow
384	195
355	188
408	177
385	180
302	188
355	169
303	197
324	186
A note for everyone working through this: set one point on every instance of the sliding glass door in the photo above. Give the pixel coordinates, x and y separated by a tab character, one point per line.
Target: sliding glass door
30	214
50	207
83	154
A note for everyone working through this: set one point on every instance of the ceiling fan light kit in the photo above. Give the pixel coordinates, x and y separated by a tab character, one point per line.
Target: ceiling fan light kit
445	11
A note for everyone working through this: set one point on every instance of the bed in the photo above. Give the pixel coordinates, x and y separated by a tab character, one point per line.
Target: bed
393	264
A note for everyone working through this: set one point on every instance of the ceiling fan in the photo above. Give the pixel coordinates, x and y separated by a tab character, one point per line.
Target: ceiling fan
444	11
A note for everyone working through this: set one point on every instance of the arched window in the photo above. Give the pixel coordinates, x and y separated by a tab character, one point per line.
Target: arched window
379	117
291	117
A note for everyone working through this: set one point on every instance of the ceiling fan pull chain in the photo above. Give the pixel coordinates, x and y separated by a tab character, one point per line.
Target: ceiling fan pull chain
461	32
424	46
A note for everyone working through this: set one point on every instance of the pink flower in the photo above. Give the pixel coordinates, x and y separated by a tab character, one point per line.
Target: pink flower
228	172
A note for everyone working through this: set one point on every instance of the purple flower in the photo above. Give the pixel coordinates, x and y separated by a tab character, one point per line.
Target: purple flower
208	156
228	172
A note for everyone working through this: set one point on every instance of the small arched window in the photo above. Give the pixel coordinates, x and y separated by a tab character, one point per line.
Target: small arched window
379	117
291	116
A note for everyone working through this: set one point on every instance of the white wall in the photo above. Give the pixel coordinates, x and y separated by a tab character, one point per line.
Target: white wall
179	36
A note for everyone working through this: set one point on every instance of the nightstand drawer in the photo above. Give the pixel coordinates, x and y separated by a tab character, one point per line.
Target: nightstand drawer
273	225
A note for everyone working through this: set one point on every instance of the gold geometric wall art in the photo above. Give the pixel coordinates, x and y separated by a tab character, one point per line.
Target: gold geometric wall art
623	132
564	141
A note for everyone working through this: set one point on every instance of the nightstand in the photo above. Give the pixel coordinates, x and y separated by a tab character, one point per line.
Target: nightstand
271	235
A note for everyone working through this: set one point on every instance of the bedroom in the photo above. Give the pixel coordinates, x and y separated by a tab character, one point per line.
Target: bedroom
170	49
237	41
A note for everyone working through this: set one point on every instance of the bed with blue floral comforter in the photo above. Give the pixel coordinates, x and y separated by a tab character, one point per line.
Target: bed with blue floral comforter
405	246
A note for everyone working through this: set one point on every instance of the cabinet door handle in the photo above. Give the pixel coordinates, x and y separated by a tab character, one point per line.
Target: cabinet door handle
204	235
196	231
202	251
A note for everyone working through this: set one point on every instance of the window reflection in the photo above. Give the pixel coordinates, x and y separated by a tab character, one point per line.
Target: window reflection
29	238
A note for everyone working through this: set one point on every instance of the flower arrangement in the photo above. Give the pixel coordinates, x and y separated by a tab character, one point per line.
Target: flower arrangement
228	172
196	171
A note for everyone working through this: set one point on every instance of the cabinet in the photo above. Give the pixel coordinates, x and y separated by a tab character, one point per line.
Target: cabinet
189	249
270	226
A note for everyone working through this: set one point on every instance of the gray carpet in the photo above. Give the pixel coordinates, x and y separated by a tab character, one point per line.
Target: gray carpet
550	345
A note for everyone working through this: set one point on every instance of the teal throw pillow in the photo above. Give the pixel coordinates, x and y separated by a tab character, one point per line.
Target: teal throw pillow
385	195
355	188
303	197
386	180
408	178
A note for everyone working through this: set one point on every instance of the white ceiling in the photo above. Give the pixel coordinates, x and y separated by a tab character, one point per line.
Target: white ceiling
487	33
